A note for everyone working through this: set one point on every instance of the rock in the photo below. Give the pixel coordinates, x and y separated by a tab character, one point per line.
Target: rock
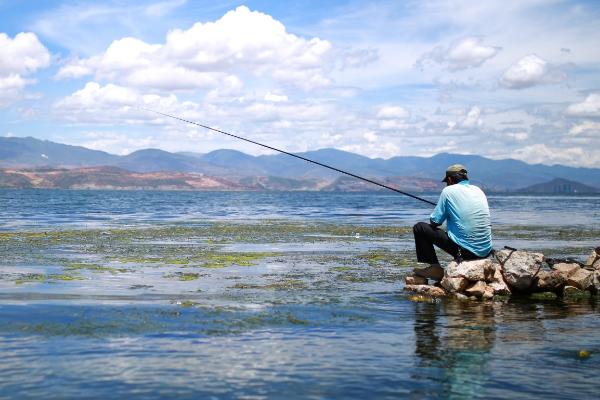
566	269
453	285
593	260
416	280
426	289
488	293
573	292
497	282
519	267
476	270
476	289
581	279
461	296
550	280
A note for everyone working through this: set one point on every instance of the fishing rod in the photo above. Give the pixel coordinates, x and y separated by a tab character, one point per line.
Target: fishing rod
293	155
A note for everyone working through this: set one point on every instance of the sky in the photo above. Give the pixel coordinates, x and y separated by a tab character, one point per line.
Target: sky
501	79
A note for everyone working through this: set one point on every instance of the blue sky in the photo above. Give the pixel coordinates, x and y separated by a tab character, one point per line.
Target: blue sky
502	79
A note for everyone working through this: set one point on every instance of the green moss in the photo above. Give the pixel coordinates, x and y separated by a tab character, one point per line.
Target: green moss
543	296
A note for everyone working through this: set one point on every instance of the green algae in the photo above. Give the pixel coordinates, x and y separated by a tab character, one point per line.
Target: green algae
40	278
93	268
288	284
183	276
543	296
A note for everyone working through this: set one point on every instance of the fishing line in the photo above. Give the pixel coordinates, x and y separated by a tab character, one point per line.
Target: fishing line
293	155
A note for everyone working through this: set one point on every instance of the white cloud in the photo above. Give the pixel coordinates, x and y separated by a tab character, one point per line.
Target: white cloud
590	107
371	137
472	119
530	71
549	155
587	127
275	98
393	112
19	57
241	42
95	103
464	53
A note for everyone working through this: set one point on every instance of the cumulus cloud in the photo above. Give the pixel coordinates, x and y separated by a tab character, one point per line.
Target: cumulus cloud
530	71
241	42
590	107
111	103
464	53
19	57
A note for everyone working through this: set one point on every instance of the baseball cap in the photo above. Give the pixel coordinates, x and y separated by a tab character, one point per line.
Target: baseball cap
453	170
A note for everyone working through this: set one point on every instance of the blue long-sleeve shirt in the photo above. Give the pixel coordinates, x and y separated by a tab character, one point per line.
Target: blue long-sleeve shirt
465	207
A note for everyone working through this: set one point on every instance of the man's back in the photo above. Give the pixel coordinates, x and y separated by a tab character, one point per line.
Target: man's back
465	208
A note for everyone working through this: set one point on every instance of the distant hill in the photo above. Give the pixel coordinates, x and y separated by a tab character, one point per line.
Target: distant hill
273	170
560	186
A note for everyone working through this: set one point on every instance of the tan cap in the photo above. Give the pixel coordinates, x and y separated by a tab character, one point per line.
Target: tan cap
453	170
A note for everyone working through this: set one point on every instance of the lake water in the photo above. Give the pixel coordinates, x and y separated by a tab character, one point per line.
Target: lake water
133	294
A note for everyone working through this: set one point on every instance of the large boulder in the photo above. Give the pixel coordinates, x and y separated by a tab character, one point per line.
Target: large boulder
566	269
519	267
476	270
550	281
581	279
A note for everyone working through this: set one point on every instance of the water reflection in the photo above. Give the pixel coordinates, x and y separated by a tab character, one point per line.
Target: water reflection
453	340
459	344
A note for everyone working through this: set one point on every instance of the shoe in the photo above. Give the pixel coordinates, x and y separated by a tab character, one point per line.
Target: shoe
434	272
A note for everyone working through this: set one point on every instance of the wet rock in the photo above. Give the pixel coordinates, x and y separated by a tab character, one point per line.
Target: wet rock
566	269
426	289
581	279
453	285
476	270
476	289
497	282
573	292
416	280
519	267
593	261
488	293
550	280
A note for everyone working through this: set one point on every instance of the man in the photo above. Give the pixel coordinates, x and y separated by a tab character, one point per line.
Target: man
469	235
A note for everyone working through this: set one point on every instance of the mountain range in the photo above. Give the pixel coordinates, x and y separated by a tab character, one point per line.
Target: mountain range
280	171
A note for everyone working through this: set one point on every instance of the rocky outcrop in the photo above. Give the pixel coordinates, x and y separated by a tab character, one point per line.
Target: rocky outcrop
511	271
519	268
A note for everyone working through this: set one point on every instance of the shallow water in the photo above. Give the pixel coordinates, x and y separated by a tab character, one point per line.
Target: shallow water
262	295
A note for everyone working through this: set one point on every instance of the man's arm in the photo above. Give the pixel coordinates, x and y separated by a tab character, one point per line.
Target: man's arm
438	216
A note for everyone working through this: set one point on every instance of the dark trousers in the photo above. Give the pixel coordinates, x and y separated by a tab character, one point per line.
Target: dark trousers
426	235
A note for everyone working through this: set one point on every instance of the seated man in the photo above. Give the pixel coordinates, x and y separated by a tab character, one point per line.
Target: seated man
466	211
